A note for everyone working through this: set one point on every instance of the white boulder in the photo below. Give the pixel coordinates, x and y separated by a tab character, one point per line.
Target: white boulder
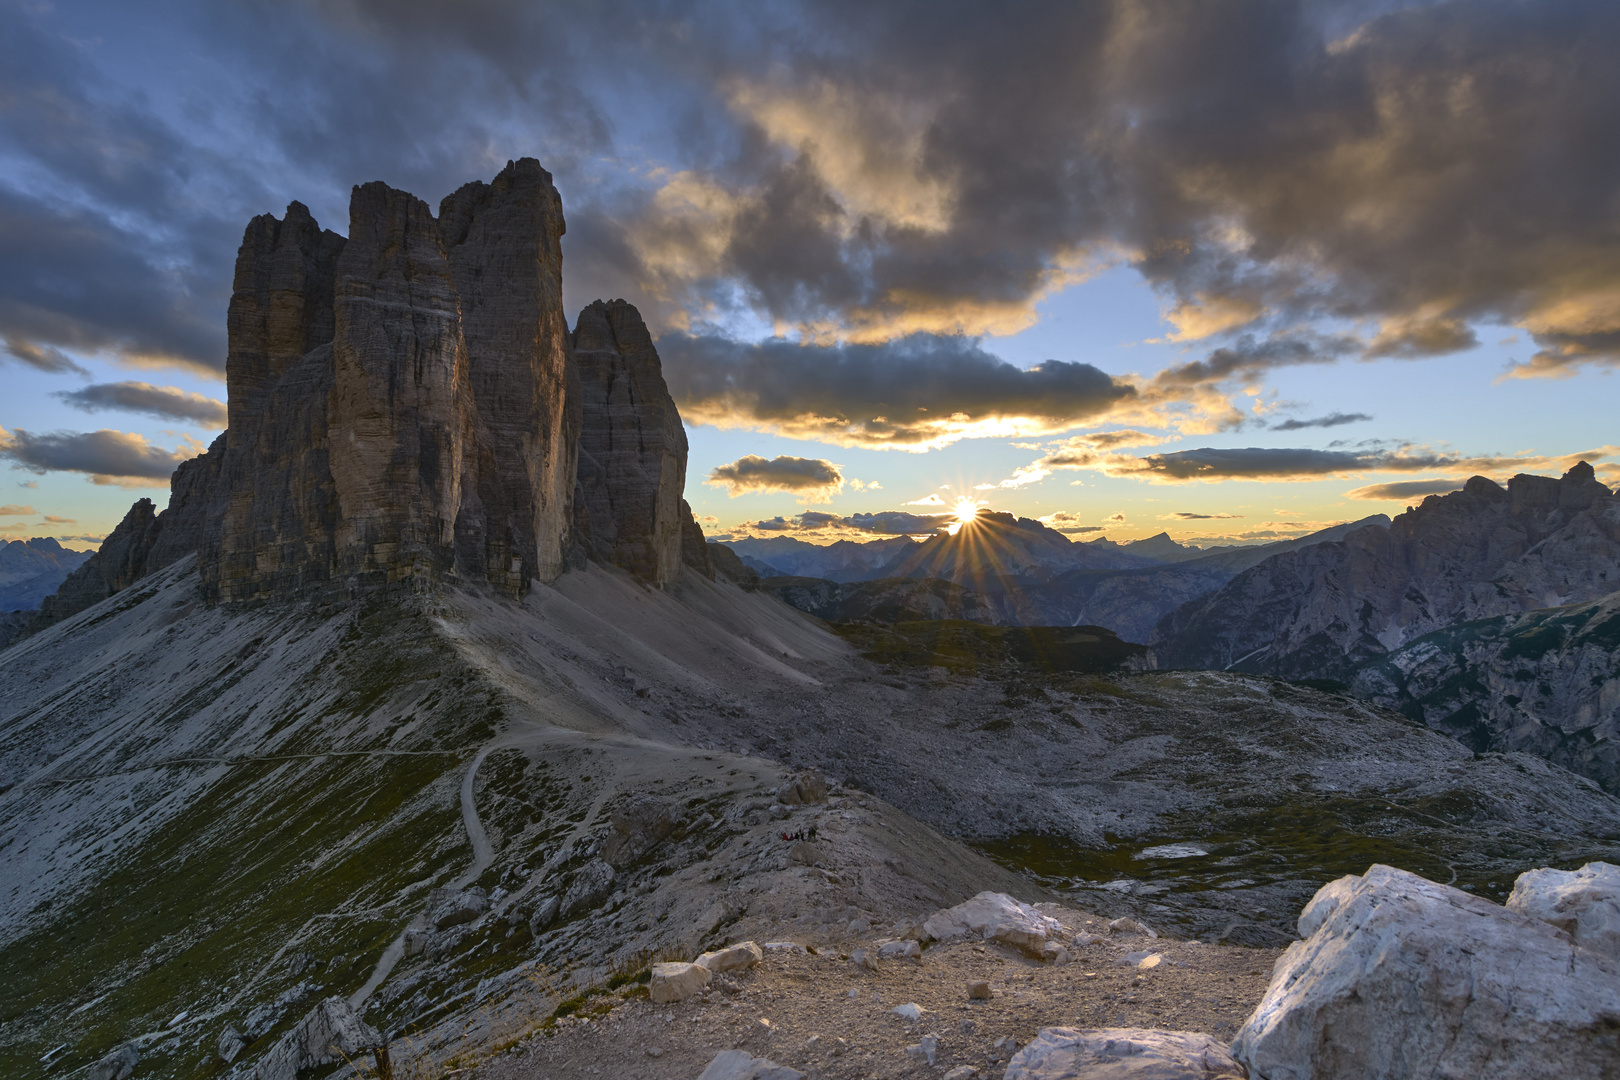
995	917
741	1065
1584	903
1401	977
677	982
895	950
1123	1053
738	957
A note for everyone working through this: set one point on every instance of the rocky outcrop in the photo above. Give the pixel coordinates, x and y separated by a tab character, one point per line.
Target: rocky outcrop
119	563
1069	1054
995	917
632	447
725	563
1480	552
405	408
1584	903
1399	976
504	245
332	1032
695	549
677	981
1543	682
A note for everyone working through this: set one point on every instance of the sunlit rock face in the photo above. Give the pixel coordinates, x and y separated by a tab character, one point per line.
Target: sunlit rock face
632	449
401	405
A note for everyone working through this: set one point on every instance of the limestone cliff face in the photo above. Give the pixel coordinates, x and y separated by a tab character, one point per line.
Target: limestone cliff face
399	415
1474	554
426	430
1542	682
632	447
405	408
118	564
504	243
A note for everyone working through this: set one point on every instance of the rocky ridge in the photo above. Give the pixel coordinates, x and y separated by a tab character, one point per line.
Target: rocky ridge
1477	553
31	570
407	407
1546	682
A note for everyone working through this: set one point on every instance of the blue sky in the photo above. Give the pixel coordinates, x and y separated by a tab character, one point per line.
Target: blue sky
1300	252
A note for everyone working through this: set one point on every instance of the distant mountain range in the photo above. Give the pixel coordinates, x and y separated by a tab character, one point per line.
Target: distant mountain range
1491	613
1011	571
998	543
31	570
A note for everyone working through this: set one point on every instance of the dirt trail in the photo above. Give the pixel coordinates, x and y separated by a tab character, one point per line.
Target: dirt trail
820	1014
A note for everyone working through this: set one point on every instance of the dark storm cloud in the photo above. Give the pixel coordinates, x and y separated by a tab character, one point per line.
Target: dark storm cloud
918	391
1330	420
797	475
106	456
163	402
856	171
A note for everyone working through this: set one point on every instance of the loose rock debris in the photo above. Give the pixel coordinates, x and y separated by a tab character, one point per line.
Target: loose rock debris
818	1013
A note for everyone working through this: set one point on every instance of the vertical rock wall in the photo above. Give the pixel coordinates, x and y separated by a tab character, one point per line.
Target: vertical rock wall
405	407
399	412
632	447
504	243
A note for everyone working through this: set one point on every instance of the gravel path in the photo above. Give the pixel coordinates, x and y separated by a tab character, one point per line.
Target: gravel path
821	1014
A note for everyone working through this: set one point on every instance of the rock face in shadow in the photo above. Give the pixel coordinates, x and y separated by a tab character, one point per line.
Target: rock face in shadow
403	410
504	245
1481	552
120	562
1542	681
632	447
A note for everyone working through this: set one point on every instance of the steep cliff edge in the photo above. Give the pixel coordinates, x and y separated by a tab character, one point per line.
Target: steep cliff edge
1545	682
632	447
406	408
1478	553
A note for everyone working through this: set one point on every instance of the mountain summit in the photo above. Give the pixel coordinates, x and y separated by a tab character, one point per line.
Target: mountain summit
408	406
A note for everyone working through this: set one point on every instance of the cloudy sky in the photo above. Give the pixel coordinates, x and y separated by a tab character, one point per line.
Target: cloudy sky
1230	270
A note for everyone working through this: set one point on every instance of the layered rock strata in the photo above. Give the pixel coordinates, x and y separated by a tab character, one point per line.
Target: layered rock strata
406	407
1543	682
632	447
1477	553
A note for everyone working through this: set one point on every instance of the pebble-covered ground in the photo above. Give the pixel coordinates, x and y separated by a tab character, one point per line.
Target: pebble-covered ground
821	1014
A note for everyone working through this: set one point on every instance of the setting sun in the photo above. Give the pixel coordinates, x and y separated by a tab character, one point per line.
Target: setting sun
965	510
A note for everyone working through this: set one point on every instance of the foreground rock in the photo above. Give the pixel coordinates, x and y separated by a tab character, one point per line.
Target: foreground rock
995	917
739	957
741	1065
677	982
1401	977
1583	903
332	1032
1123	1053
